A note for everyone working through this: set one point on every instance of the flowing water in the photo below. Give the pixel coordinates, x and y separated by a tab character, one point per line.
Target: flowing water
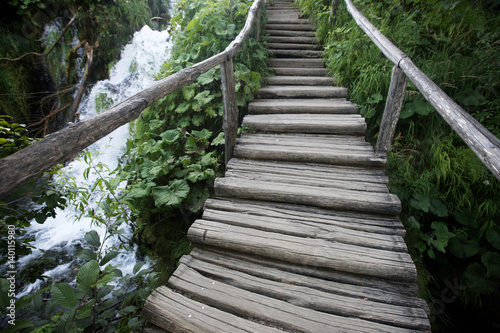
63	235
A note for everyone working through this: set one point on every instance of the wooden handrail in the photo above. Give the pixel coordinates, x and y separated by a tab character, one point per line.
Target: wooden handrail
56	148
484	144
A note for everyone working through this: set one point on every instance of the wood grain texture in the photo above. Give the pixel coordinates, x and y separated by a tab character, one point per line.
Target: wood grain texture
249	304
177	313
315	299
301	91
288	106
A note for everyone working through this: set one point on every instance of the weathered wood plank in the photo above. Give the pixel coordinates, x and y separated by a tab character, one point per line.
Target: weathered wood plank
288	106
290	27
312	298
296	53
299	71
297	63
245	303
378	203
271	271
343	257
347	220
308	229
333	184
293	46
303	80
292	34
292	39
177	313
310	170
301	91
240	261
309	155
311	123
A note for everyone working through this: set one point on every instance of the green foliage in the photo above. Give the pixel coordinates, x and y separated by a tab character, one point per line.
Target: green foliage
12	137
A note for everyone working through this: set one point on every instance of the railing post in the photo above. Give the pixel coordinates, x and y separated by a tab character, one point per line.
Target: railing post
333	12
395	97
257	32
230	117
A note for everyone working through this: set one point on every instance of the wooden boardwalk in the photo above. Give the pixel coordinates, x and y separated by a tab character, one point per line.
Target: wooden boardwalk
303	235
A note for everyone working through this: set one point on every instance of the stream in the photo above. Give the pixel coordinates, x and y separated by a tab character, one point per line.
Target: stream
61	237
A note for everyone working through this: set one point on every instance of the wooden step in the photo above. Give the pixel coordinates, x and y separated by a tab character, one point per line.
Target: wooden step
292	46
334	106
300	80
177	313
302	214
310	297
292	40
299	71
296	53
307	123
301	91
262	308
278	20
296	63
290	27
290	34
338	152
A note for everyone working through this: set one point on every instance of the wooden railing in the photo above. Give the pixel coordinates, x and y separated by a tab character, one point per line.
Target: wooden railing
58	147
484	144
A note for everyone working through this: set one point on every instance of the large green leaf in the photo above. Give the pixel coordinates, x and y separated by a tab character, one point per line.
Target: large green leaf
92	237
493	236
461	247
171	195
492	262
64	295
87	275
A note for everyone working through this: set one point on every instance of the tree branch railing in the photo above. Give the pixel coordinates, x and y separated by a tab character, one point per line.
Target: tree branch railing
58	147
484	144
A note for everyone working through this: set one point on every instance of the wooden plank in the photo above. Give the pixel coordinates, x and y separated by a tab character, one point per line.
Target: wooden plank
315	252
301	91
291	34
293	46
334	106
315	299
303	80
340	199
274	272
308	229
292	39
296	53
290	27
311	123
177	313
330	141
347	220
245	303
299	71
310	170
333	184
297	63
243	262
309	155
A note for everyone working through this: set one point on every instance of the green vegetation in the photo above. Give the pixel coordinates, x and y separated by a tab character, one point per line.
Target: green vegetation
37	79
158	189
450	200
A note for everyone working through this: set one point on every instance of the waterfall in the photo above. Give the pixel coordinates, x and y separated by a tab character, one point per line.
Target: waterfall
62	236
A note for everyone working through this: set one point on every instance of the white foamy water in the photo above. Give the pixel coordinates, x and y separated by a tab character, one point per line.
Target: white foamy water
140	60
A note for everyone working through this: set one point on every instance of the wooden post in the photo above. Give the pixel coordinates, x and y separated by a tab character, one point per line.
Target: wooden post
257	31
392	110
333	12
230	118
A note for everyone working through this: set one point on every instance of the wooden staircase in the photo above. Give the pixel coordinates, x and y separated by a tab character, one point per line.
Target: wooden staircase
303	235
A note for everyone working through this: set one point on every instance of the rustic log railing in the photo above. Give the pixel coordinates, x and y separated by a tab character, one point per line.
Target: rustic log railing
484	144
29	162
